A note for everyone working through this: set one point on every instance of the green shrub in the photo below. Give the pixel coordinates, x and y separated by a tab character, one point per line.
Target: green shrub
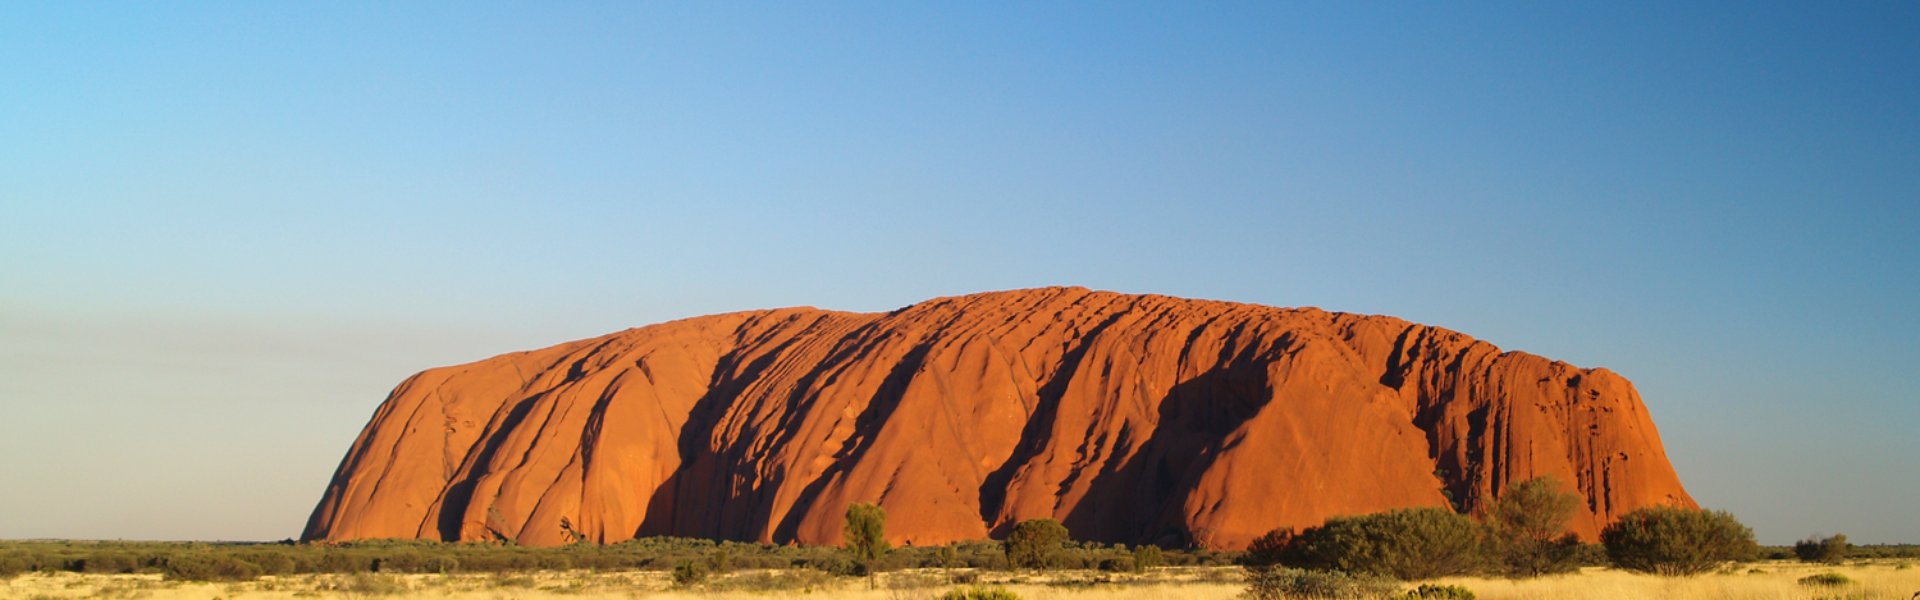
1434	591
980	593
1667	540
208	567
12	564
107	562
1825	579
1829	550
274	563
1408	544
1119	564
1036	544
1528	523
417	562
342	560
689	573
1276	583
1273	548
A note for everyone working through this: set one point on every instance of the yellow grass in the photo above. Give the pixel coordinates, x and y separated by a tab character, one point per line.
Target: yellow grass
1773	581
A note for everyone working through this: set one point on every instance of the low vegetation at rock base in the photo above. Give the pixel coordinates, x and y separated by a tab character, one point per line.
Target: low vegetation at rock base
1405	554
201	561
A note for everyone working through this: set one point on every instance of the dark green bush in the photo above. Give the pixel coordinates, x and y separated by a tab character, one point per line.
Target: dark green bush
690	573
107	562
1273	548
1825	579
208	567
273	562
1434	591
1408	544
342	560
1823	550
1118	564
1037	544
1666	540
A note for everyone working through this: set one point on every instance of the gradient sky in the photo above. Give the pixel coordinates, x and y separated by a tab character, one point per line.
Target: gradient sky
228	229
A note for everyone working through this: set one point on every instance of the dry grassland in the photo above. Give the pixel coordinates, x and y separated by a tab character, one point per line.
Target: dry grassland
1766	581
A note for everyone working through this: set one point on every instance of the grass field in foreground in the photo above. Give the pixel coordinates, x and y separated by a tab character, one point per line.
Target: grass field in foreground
1758	581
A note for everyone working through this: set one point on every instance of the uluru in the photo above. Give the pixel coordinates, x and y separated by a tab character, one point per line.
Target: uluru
1129	418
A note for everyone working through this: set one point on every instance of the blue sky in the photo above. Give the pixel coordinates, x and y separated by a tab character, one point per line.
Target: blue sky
228	229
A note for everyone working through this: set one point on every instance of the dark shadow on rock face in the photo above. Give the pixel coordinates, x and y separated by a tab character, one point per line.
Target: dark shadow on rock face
453	509
1037	432
1195	418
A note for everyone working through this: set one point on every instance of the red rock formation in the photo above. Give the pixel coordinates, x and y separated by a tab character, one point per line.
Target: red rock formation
1128	418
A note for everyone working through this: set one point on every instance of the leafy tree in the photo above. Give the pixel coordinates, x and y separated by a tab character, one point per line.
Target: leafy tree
1529	527
1824	550
1147	557
1667	540
866	537
1036	544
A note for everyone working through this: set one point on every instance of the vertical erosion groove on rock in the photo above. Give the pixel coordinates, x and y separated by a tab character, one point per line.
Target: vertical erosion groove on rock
1137	419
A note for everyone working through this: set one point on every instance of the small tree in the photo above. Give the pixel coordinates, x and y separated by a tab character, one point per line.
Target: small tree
1146	557
866	538
1828	550
1529	527
1667	540
1036	544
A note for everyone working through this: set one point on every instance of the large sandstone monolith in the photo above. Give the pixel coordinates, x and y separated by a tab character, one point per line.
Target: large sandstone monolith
1129	418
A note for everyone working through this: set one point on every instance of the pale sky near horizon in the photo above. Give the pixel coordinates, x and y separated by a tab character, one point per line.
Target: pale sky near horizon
227	229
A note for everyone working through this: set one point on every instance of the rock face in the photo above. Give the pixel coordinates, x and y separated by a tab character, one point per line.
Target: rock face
1129	418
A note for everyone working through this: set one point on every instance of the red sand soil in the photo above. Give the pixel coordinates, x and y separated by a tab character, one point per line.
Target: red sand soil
1130	418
